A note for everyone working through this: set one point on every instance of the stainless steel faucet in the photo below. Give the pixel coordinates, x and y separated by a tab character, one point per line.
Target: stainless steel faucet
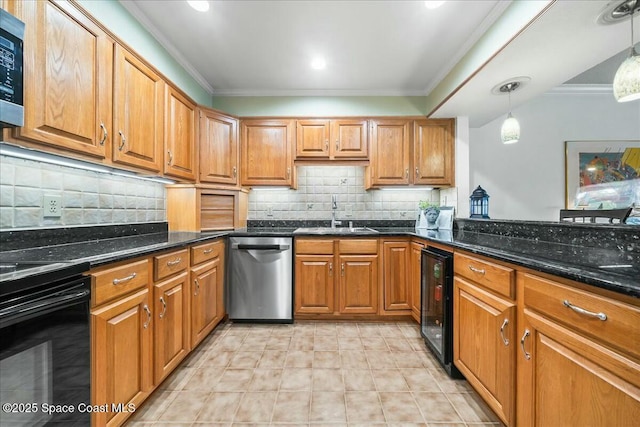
334	207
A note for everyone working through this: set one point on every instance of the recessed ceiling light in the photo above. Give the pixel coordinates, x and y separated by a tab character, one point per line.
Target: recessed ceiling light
199	5
432	4
318	63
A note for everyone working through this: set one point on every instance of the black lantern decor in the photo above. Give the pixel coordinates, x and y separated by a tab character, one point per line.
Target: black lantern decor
479	203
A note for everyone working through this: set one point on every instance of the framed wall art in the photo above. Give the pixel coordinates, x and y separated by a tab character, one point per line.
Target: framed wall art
602	174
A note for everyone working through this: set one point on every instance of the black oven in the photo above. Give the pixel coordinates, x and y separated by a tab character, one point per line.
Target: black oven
45	363
11	78
436	286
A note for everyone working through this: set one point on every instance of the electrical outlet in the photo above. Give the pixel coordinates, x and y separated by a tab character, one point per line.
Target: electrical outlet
269	210
52	206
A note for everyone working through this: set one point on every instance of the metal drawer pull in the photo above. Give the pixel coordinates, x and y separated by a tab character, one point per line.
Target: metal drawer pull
123	140
104	134
504	324
580	310
477	270
146	324
524	337
124	279
164	307
207	251
197	291
174	262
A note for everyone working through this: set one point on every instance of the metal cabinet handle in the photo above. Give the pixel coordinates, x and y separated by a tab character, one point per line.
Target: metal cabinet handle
326	145
417	173
342	269
524	337
124	279
207	251
123	140
330	269
477	270
288	173
406	173
504	324
104	133
146	324
164	307
174	262
580	310
235	171
170	157
337	144
197	291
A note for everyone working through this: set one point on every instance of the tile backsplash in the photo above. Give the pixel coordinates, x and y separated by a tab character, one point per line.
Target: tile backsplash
316	184
86	197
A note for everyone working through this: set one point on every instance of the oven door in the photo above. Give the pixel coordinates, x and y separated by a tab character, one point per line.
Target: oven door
45	356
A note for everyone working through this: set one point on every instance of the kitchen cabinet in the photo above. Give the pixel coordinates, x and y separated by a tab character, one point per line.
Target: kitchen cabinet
484	322
434	152
396	276
415	278
390	155
138	112
575	367
336	139
122	340
218	148
179	135
68	78
338	277
171	312
267	152
207	289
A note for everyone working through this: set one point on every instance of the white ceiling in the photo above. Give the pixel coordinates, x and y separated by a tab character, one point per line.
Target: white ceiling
265	47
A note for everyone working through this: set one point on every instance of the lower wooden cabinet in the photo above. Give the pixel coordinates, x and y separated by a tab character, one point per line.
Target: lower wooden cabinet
358	284
314	288
415	278
397	290
122	355
207	298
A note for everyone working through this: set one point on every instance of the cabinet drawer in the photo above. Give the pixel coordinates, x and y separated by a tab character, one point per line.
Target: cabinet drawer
117	281
314	246
358	246
206	252
492	276
169	264
621	329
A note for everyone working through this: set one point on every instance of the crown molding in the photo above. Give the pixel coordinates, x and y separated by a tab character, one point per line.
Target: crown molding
318	92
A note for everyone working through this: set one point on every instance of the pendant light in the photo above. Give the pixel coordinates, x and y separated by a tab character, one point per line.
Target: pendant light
626	83
510	131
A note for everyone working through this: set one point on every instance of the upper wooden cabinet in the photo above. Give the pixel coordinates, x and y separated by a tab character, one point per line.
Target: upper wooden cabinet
390	156
179	135
323	139
68	69
433	152
218	148
138	116
267	152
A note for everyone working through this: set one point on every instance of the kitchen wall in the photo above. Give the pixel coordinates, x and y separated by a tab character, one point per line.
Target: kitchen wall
87	197
526	181
316	184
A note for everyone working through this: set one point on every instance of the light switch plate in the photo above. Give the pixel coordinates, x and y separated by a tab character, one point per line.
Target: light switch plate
52	206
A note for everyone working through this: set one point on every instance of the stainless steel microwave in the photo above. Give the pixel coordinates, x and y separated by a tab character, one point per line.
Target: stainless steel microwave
11	78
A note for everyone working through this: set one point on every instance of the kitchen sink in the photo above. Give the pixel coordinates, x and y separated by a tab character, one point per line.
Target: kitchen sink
337	230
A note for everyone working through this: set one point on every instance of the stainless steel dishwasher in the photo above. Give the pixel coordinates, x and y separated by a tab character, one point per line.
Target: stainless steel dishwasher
260	279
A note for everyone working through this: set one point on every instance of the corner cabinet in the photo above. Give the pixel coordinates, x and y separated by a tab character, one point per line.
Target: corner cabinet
179	135
267	152
218	148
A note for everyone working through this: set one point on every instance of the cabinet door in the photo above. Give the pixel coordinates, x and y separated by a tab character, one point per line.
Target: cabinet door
358	285
389	152
138	115
171	331
68	78
206	283
415	278
179	135
396	275
218	148
314	291
312	139
484	345
433	152
267	152
349	139
566	379
121	355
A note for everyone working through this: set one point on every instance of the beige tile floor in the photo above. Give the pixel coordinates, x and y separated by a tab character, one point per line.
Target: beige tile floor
313	374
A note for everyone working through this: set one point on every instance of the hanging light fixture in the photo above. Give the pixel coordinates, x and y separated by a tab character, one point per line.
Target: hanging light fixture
626	83
510	130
